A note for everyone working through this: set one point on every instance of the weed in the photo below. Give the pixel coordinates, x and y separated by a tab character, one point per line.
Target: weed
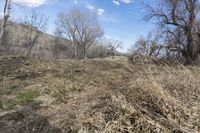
27	96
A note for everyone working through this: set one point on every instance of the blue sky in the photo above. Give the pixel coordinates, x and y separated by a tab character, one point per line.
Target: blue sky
120	19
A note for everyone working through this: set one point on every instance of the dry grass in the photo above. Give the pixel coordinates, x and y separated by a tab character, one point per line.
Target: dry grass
101	95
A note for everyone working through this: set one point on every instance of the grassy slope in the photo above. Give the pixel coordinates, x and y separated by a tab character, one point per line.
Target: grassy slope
17	39
105	95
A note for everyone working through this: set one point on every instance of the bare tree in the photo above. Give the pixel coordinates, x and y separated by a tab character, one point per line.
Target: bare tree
81	28
113	45
35	24
179	18
6	15
148	46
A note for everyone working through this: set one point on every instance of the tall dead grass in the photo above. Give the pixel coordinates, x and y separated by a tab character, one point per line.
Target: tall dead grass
156	99
116	97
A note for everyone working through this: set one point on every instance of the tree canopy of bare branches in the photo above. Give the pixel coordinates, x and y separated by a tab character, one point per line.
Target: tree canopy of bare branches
180	21
82	29
149	46
35	23
113	45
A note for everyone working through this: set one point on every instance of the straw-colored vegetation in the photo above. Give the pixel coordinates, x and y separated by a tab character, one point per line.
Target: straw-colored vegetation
101	95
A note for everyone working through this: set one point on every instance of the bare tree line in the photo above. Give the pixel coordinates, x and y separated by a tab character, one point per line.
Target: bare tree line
79	31
177	21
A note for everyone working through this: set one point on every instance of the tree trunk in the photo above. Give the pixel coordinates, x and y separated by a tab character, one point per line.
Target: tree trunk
189	51
31	44
7	8
84	51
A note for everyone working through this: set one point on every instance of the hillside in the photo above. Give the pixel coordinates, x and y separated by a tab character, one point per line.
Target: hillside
100	95
16	41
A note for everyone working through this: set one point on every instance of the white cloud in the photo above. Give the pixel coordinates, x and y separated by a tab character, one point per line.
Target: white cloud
116	2
126	1
91	7
32	3
100	11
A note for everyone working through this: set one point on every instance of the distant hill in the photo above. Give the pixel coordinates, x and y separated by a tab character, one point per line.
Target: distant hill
15	41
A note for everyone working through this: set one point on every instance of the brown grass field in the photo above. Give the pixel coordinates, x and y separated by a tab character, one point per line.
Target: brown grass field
98	96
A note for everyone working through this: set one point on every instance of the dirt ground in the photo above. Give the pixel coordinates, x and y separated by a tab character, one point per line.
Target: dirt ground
97	96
